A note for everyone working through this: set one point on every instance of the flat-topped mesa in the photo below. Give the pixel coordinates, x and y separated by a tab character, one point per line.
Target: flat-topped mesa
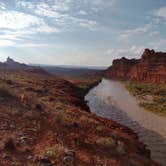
151	68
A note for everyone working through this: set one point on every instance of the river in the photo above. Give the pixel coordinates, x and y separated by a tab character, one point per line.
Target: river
111	100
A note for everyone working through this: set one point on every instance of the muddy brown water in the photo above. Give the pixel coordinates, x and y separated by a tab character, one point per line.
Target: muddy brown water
111	100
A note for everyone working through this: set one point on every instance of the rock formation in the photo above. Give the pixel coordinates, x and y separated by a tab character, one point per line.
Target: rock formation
10	64
151	68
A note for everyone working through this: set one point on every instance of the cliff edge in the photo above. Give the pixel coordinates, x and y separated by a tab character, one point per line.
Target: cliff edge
150	68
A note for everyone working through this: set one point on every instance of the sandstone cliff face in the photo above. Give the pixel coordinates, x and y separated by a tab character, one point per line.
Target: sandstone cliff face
151	68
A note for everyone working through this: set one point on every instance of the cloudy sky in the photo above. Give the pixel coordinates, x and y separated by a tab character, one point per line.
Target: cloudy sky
80	32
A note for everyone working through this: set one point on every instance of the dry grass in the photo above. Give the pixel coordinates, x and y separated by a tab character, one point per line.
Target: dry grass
62	123
143	92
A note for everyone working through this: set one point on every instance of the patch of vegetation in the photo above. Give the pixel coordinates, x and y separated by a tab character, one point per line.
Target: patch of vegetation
59	118
152	97
55	152
99	128
5	93
50	153
106	141
84	82
86	119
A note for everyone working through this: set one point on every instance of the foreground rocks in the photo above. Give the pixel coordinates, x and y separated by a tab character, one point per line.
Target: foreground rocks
150	68
43	120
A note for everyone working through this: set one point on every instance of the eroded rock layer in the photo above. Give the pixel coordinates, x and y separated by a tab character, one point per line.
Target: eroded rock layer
151	68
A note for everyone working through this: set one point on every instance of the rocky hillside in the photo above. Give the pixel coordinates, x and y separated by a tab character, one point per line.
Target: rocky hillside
10	64
151	68
44	121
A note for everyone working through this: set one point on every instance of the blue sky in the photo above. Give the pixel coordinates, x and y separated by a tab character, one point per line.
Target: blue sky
80	32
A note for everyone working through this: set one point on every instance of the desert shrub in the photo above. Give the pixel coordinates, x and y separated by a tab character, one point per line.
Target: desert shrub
154	107
55	152
99	128
5	93
39	107
87	120
59	117
50	152
9	144
160	90
106	141
159	99
10	82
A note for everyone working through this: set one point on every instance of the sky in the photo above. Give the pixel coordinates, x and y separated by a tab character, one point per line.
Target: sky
80	32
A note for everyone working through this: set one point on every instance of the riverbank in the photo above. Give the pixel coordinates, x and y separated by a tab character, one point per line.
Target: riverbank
111	100
152	97
84	83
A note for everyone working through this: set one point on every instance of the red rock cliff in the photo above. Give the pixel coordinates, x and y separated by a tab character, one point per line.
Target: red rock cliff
151	68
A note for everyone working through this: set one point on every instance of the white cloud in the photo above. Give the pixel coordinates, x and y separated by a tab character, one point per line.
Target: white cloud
158	44
25	4
16	25
103	3
91	25
9	37
154	33
6	43
62	5
15	20
161	12
2	6
132	52
47	29
82	12
44	9
133	32
97	5
63	13
84	23
34	45
17	34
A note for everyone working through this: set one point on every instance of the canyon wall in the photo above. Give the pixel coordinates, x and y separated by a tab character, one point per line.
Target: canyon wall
151	68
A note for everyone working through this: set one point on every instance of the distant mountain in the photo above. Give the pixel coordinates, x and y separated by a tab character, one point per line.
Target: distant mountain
72	66
151	68
59	71
10	64
70	70
67	70
16	65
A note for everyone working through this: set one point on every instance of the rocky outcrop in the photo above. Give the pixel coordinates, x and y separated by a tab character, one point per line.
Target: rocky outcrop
11	64
151	68
16	65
